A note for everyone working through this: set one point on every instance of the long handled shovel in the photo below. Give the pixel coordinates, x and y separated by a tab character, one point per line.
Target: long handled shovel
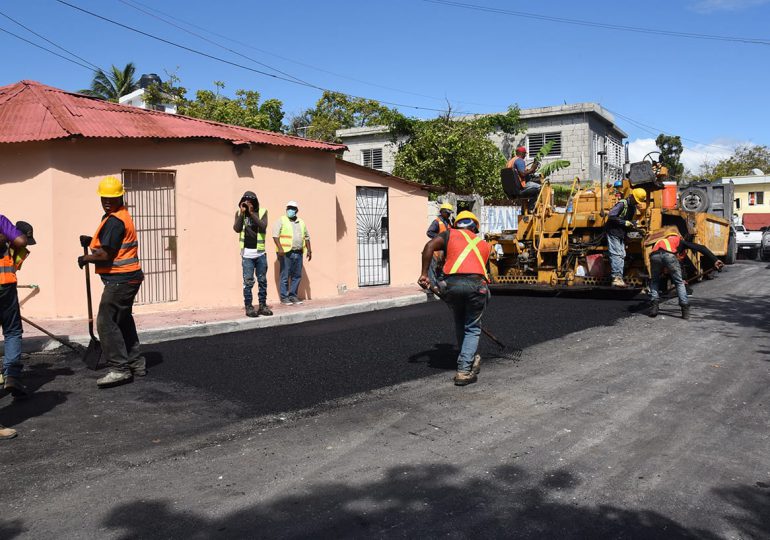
504	351
74	346
94	351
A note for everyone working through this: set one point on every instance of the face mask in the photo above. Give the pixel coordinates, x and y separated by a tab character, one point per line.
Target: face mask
291	213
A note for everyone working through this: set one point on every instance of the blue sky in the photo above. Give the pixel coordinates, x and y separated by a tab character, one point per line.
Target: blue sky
420	53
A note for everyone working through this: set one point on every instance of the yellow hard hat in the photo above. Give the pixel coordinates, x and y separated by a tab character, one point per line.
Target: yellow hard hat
447	206
465	214
640	195
110	187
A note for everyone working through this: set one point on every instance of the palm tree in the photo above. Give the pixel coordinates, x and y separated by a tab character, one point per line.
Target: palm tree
111	86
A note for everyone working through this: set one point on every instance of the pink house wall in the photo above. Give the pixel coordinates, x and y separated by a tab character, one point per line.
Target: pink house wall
53	186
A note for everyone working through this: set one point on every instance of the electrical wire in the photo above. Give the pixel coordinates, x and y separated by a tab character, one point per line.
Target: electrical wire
234	64
46	49
606	26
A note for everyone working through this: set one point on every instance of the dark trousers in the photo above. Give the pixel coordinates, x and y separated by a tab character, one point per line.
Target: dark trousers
10	317
116	327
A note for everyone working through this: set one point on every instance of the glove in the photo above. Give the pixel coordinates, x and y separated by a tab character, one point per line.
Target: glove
81	262
85	241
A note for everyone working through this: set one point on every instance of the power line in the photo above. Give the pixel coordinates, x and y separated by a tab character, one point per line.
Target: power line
49	41
46	49
606	26
231	63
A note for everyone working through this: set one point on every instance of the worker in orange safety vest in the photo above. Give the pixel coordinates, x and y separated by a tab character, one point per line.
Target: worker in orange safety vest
465	287
667	248
441	224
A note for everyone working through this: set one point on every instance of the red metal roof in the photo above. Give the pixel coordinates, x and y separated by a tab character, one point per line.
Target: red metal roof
30	111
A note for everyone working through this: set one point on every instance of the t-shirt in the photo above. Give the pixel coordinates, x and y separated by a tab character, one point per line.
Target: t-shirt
111	236
9	230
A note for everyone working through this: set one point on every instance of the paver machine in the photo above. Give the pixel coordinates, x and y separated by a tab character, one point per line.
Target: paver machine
566	248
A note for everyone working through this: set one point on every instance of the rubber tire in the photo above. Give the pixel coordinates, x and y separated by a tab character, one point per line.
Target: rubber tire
732	250
697	195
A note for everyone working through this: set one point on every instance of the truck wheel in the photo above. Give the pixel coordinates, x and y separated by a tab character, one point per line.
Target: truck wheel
693	199
732	250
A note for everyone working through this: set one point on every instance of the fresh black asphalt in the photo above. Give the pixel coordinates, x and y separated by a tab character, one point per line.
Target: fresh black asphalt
287	368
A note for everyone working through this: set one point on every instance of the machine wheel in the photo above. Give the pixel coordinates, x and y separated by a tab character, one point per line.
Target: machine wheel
732	250
693	199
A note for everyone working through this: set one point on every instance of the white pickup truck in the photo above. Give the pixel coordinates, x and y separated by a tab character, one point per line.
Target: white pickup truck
748	242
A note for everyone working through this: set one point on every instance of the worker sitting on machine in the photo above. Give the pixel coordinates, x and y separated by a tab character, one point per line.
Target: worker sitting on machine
525	185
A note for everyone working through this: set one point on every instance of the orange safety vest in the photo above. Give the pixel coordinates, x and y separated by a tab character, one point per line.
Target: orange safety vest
127	259
7	268
669	243
510	165
466	253
441	225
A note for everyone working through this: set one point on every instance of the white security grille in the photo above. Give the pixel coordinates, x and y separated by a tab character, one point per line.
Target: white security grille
372	158
372	236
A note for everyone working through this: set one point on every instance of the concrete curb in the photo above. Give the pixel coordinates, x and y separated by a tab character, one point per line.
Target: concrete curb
171	333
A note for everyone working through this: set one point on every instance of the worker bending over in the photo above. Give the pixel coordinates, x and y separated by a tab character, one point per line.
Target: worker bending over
115	256
466	289
619	221
665	256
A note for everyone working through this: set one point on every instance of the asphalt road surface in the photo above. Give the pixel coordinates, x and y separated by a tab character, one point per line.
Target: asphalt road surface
608	424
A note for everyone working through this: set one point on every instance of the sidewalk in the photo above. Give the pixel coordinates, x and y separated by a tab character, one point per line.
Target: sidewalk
171	325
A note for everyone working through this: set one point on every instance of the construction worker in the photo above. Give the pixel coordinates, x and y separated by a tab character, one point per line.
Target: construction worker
115	256
619	221
291	242
529	187
466	289
442	223
668	249
251	225
13	243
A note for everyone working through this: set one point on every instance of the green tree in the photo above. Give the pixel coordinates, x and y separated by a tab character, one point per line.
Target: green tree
113	84
671	148
334	111
244	109
454	153
741	163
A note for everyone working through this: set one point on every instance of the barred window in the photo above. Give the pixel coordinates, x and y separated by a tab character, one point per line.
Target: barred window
372	158
536	141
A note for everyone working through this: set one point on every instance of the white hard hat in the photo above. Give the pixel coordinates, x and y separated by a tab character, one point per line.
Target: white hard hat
293	204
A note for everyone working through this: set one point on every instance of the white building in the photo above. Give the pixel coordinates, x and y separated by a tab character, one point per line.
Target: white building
579	132
136	98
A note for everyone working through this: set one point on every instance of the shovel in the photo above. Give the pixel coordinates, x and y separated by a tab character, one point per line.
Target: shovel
74	346
94	351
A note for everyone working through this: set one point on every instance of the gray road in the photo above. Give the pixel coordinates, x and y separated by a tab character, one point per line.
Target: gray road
612	425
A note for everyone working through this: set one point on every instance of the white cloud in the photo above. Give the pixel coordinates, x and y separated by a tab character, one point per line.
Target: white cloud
710	6
693	156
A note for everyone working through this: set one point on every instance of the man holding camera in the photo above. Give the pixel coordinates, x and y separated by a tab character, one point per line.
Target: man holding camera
529	187
115	256
251	226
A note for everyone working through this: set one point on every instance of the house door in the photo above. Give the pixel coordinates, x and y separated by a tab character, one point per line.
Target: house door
372	236
151	199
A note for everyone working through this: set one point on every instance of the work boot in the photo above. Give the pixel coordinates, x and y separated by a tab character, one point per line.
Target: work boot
251	312
295	300
617	281
7	433
462	378
14	386
114	378
264	310
654	308
686	312
286	301
476	366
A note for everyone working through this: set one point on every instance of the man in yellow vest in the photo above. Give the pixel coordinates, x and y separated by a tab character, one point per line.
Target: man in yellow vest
12	241
667	249
115	256
292	241
251	225
466	291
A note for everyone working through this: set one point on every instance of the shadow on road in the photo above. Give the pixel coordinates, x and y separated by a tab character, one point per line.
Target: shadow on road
11	529
441	356
418	501
743	310
753	520
37	403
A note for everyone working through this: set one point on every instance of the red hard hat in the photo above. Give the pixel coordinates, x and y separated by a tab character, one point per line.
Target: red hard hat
521	149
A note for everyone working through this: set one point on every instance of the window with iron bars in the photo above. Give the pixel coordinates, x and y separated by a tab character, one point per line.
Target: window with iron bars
372	158
536	141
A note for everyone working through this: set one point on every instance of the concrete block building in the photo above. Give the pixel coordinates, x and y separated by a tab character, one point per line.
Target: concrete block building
579	131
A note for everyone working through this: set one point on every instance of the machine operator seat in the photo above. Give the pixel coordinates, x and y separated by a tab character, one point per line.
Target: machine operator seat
512	188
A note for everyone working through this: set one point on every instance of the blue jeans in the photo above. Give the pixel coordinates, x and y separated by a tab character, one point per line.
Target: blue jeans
531	190
617	249
660	260
252	267
468	297
291	270
11	321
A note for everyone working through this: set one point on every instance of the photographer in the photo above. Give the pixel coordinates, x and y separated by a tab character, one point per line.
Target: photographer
251	225
530	188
